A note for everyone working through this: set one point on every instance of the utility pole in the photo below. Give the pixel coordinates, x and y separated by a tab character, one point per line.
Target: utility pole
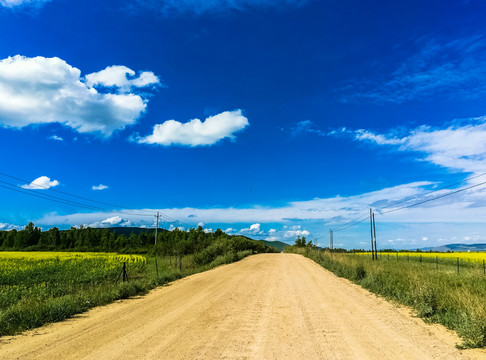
156	229
374	233
371	227
331	240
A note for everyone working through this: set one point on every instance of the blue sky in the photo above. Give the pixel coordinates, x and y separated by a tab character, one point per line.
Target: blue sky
271	118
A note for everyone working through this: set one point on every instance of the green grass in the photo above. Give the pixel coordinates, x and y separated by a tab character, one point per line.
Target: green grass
440	296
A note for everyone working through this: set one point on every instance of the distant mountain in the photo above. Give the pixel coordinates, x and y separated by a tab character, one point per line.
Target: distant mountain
457	247
129	230
276	244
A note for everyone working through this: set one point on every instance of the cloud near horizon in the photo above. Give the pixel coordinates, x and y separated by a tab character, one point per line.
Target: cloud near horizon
197	132
42	90
459	147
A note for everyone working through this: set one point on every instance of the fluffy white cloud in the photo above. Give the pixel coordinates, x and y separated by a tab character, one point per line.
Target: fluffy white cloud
48	90
99	187
55	137
121	77
461	146
14	3
254	228
196	132
113	220
41	183
294	231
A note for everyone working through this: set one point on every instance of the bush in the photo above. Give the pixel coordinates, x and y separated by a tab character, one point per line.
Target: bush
359	272
425	301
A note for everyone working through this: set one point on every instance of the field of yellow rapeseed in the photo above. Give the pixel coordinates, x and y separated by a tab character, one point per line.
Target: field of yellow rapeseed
475	257
61	255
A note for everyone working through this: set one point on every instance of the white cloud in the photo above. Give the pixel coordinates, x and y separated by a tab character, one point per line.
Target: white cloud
121	77
99	187
295	233
254	228
42	182
56	138
272	231
461	146
229	230
14	3
43	90
6	227
113	220
200	224
197	133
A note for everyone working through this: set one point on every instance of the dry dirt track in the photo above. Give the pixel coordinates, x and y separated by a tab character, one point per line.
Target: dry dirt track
271	306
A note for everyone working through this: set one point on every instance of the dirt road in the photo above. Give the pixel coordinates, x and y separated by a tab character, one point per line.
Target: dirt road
271	306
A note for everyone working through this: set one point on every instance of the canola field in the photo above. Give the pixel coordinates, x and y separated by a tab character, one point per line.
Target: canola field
34	280
473	257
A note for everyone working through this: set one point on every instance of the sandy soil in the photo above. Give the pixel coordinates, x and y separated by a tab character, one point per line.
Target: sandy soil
271	306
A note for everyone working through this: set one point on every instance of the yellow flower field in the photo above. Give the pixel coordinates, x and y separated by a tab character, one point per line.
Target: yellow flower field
476	257
61	255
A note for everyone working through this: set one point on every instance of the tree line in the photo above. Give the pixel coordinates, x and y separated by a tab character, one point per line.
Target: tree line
173	243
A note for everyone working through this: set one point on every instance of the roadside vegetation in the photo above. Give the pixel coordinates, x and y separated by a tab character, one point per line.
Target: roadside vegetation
42	287
434	289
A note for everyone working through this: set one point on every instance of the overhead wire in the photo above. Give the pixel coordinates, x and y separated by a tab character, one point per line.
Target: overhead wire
363	218
31	192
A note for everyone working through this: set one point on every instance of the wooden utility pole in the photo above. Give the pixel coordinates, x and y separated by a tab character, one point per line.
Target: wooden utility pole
371	227
374	234
156	230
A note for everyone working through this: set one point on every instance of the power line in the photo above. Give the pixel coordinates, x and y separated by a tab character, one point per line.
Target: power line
436	198
365	217
65	201
431	192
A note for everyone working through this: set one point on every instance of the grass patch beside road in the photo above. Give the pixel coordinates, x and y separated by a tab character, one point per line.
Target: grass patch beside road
445	297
